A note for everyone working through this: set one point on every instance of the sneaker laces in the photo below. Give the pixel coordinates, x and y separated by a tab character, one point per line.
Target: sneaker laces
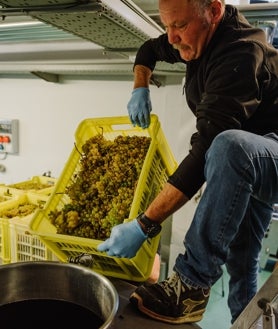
173	285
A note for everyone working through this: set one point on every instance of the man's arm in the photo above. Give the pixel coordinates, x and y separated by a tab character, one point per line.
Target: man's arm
169	200
142	75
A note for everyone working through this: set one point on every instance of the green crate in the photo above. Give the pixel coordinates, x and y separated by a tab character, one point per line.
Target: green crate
158	165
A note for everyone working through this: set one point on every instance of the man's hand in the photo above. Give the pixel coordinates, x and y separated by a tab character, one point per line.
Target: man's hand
139	107
125	240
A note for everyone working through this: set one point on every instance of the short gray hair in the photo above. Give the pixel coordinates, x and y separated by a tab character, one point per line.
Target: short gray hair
201	5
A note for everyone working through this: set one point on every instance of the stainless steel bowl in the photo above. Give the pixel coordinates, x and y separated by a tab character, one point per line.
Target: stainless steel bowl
48	280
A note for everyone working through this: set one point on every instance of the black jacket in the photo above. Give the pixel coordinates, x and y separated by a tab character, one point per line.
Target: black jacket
233	85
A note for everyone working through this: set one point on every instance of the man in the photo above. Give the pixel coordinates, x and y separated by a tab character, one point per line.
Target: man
232	89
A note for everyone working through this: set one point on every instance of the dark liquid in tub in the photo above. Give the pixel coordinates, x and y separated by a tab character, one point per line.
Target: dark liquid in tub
47	313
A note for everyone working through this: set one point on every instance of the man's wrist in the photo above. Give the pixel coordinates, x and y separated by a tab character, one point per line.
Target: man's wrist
149	227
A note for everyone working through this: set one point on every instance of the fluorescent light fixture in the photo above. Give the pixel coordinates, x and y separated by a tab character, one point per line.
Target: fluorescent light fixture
21	24
91	6
134	15
31	47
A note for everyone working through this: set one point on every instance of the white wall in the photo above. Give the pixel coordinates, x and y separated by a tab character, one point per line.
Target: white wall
49	114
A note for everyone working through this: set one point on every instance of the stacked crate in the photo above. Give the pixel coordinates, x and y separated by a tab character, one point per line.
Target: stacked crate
7	195
19	203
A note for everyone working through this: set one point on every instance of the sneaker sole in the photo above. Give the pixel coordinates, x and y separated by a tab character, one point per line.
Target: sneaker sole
136	300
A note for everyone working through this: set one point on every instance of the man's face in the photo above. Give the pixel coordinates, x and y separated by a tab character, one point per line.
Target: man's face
187	30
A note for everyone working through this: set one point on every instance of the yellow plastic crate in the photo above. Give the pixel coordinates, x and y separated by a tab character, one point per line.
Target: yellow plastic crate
5	255
38	184
9	193
14	231
158	165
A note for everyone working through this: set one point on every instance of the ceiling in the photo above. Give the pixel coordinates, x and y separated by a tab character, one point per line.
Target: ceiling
54	39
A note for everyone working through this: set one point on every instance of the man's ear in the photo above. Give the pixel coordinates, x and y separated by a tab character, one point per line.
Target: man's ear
216	10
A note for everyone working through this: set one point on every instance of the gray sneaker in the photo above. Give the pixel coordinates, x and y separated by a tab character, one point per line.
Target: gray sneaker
171	301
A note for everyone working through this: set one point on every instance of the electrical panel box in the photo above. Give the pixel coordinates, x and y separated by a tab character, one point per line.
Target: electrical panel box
9	136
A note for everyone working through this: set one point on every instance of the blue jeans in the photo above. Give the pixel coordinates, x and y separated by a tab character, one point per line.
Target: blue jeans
232	216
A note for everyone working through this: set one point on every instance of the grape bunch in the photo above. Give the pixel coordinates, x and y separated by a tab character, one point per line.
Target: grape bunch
20	210
102	192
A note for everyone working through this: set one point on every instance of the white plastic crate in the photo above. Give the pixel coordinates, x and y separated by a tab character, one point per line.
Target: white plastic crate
24	245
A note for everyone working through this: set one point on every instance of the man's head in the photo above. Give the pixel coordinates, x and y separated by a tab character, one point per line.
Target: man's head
190	24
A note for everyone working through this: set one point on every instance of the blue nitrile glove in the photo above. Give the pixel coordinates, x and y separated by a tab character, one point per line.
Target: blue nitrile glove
125	240
139	107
